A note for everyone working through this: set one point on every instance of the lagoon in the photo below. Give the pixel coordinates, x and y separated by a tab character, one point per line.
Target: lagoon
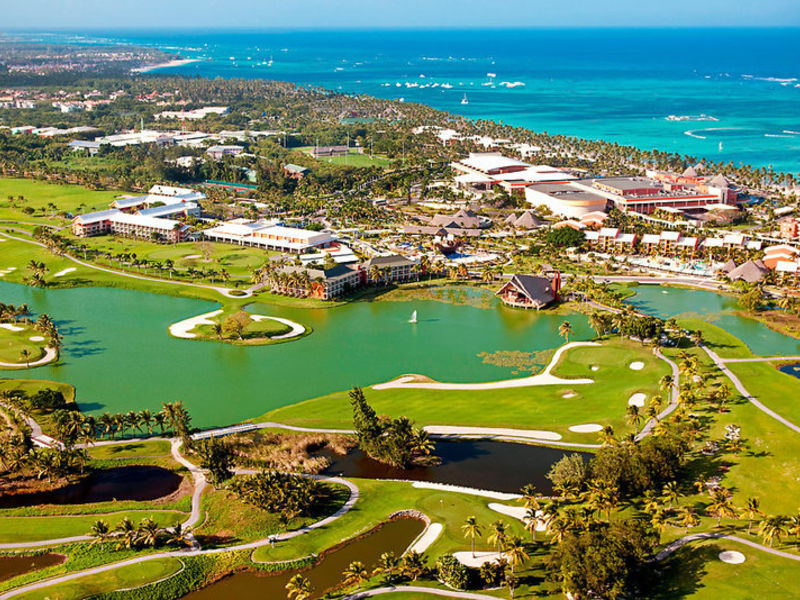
119	356
716	309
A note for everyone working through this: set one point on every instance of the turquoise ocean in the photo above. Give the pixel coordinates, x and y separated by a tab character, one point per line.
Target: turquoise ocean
618	85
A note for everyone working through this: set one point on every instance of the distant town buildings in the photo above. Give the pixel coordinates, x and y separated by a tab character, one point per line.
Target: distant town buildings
192	115
217	152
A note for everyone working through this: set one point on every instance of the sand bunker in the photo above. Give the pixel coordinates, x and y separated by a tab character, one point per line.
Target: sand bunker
637	399
732	557
11	327
586	428
595	368
65	271
568	395
36	338
480	558
637	365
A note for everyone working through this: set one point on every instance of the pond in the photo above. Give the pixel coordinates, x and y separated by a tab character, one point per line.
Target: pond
395	536
716	309
482	464
118	354
139	483
12	566
792	369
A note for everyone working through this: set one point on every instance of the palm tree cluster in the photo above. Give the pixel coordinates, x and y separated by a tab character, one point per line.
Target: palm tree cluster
19	457
147	533
47	327
38	270
287	494
9	312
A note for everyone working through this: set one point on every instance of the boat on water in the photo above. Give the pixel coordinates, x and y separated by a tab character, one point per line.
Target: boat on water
413	318
464	100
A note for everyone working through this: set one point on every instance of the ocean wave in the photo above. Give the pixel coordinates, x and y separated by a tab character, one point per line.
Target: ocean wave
778	135
691	133
790	132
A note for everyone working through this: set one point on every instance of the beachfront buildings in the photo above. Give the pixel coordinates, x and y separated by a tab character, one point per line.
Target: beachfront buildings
129	225
529	291
269	236
484	170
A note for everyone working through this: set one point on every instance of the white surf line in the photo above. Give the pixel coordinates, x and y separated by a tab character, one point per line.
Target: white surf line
296	328
50	355
181	329
543	378
65	271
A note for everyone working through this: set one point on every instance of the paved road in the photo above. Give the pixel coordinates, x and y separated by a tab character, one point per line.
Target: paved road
743	391
734	538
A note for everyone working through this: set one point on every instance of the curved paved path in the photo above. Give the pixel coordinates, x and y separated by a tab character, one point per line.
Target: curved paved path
743	391
195	550
673	396
227	292
713	536
418	589
543	378
50	355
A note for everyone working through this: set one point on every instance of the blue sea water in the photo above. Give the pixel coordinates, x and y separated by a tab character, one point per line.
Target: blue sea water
618	85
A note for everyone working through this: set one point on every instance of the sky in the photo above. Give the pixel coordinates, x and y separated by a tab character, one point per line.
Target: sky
44	15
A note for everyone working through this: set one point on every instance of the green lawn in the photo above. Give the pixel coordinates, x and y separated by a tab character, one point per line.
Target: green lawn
130	450
353	159
32	529
130	576
696	572
540	407
777	390
255	333
719	340
39	194
12	344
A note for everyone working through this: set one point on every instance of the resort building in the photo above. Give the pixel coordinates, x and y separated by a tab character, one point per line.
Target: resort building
529	291
780	253
218	151
646	195
484	170
184	209
751	271
392	268
565	199
325	284
244	232
95	223
294	171
789	228
148	228
525	221
610	240
192	115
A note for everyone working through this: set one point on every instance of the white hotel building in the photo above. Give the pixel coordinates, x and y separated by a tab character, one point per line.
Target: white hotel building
260	234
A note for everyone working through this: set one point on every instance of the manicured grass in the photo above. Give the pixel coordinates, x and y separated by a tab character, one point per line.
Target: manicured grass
32	529
696	572
12	343
31	386
353	159
719	340
130	450
38	194
130	576
255	333
228	520
539	407
777	390
378	500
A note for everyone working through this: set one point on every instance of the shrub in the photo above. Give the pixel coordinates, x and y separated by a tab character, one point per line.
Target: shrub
451	572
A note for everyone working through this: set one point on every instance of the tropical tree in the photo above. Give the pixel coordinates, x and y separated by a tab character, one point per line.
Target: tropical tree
772	528
687	517
298	587
355	574
497	536
471	530
721	504
99	531
514	551
752	510
564	330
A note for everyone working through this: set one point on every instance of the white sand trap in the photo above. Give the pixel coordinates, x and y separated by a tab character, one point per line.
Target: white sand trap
65	271
296	330
11	327
11	269
534	434
446	487
732	557
543	378
637	365
467	559
181	329
664	292
637	399
518	512
568	395
587	428
191	256
36	338
595	368
427	538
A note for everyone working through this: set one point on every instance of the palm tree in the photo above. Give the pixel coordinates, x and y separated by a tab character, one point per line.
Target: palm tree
128	533
794	528
564	330
355	574
687	518
179	535
721	504
99	531
498	534
633	417
514	550
665	383
752	510
149	532
387	565
413	565
531	522
471	530
146	419
26	356
298	587
670	494
773	528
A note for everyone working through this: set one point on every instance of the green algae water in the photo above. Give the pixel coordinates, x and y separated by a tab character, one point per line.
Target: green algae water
119	356
716	309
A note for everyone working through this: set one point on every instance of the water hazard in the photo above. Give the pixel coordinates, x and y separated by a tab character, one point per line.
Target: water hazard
12	566
395	536
140	483
482	464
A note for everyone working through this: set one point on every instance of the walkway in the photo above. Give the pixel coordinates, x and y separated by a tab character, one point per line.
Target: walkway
418	589
543	378
712	536
673	396
227	292
743	391
50	355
